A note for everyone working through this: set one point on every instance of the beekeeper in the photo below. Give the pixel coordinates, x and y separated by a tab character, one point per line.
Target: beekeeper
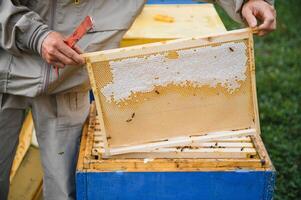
32	41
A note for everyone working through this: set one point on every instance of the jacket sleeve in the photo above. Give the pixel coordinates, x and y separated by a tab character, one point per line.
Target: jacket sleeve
233	7
20	28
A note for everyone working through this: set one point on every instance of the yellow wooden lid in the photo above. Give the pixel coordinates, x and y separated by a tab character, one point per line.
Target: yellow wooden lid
176	21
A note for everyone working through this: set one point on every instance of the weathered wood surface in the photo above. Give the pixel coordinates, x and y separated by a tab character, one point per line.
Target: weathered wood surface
24	143
151	25
27	183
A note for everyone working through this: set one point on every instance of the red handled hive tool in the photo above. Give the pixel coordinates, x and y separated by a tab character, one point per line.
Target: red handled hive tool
81	30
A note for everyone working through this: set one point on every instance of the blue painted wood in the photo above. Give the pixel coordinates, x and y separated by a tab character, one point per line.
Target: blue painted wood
171	2
226	185
270	185
81	186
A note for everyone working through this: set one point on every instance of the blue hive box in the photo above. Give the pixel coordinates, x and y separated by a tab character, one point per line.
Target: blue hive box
222	178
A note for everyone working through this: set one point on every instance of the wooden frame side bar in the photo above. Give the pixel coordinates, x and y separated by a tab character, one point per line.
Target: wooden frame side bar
168	45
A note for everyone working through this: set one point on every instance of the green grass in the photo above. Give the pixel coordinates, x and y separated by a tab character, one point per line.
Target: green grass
278	71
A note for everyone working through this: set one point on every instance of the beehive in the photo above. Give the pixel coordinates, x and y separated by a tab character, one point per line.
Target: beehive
212	167
233	168
196	127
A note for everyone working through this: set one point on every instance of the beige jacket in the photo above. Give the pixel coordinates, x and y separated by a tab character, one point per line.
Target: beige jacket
25	23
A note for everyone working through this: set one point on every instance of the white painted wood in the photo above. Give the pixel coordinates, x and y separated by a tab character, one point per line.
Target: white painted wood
180	142
222	144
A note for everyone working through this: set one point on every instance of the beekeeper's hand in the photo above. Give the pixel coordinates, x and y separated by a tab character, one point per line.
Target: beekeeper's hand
260	13
55	52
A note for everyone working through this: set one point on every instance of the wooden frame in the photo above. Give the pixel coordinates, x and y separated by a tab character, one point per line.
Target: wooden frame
153	144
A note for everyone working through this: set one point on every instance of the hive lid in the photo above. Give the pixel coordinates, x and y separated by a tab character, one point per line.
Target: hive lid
168	90
175	21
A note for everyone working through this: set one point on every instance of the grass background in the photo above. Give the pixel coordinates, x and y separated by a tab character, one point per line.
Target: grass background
278	74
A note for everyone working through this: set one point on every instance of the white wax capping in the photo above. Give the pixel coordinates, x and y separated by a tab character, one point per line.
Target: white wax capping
211	65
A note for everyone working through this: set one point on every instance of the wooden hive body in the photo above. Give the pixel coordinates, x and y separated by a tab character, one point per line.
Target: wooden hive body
211	167
226	173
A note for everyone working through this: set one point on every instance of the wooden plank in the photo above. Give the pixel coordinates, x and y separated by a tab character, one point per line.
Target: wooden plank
180	142
39	193
190	155
223	144
217	144
202	17
235	139
262	152
185	152
159	165
83	154
164	46
28	178
191	152
98	106
146	29
24	143
89	142
202	150
254	90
